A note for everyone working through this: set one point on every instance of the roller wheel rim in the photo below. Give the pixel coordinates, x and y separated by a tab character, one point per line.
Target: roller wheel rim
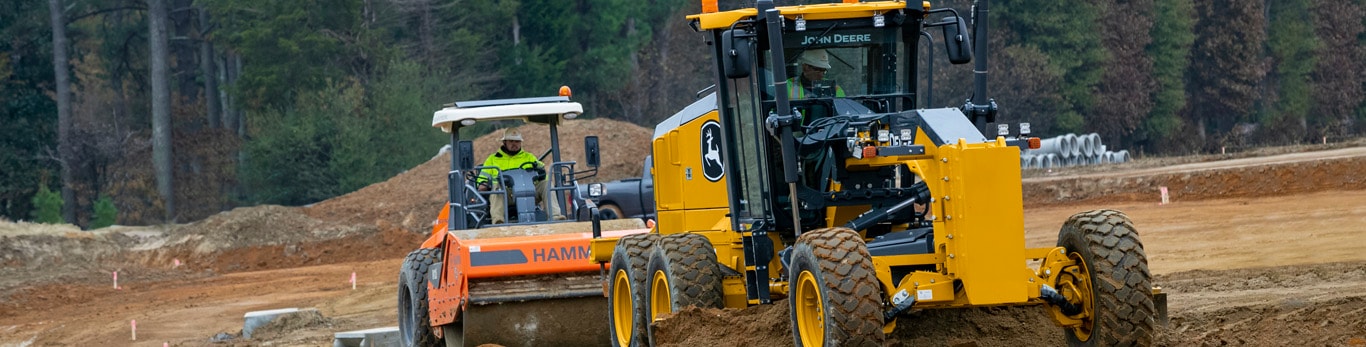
661	302
622	308
810	311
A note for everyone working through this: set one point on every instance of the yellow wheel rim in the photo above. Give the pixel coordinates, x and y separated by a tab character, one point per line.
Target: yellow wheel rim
1076	287
660	301
621	307
810	313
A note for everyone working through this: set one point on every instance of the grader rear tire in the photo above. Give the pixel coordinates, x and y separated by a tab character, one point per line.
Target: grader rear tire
413	322
1120	298
836	300
629	313
683	272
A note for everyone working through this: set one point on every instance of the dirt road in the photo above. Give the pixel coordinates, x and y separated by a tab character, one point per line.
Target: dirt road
1282	268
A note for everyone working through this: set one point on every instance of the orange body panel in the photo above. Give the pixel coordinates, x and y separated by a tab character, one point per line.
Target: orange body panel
463	260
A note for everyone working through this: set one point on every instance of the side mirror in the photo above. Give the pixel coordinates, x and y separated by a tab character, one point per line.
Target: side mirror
464	155
737	54
956	40
590	151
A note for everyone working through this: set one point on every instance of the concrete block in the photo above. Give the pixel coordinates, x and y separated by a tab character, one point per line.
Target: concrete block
377	337
256	319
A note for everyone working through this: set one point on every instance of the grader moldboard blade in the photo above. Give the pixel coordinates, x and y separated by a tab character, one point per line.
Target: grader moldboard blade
547	310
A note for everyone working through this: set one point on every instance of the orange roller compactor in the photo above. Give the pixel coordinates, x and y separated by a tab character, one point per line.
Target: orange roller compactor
526	282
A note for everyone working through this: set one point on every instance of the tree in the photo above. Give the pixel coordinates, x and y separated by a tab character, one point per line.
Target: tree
1227	65
1170	52
1061	30
61	70
207	72
26	110
161	105
1122	99
1339	78
1292	44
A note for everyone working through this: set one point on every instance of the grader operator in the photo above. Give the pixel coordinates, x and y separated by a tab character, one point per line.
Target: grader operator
851	199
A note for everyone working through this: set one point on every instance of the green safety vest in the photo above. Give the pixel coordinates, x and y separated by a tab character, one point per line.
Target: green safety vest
504	161
796	91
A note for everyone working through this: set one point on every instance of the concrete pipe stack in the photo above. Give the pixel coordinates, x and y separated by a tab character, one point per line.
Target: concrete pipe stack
1071	150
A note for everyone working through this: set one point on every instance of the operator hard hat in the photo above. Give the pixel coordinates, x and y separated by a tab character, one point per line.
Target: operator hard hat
511	135
815	57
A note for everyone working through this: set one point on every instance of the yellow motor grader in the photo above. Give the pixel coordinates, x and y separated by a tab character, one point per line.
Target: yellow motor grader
815	173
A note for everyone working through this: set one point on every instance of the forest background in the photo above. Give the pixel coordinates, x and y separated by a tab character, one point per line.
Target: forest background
151	111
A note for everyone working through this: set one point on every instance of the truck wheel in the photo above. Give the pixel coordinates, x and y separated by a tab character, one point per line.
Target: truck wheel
610	211
835	298
627	293
1117	289
413	322
683	272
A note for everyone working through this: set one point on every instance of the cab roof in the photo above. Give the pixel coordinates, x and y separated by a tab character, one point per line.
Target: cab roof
722	20
544	110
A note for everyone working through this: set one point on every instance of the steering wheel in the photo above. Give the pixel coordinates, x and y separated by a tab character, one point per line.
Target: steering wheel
531	166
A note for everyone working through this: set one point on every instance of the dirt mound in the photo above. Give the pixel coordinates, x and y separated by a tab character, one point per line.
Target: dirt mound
768	325
1320	304
412	199
1267	176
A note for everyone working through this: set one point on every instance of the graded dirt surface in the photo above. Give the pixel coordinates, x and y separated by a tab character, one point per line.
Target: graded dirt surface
1245	261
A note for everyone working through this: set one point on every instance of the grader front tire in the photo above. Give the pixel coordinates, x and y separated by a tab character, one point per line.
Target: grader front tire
629	311
1120	299
836	300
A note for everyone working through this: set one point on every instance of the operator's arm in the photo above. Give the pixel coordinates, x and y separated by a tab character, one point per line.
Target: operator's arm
488	173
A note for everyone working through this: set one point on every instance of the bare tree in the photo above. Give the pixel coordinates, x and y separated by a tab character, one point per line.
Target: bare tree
61	69
207	70
161	105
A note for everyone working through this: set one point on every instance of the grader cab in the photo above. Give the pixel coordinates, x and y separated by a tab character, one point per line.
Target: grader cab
815	173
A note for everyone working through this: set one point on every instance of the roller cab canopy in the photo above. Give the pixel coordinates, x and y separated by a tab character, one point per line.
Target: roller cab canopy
543	110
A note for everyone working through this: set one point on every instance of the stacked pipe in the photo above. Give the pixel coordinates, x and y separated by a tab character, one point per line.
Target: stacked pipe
1071	150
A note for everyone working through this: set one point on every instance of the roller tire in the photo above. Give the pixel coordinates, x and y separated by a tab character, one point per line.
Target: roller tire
413	322
688	262
632	256
610	211
1121	286
850	297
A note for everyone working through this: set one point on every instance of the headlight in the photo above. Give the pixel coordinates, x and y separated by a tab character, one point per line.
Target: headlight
596	190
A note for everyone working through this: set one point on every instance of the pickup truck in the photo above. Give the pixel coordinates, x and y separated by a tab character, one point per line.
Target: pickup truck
626	198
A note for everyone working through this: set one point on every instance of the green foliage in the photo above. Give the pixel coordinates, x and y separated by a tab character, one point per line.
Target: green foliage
1229	53
287	46
28	117
345	137
1170	50
47	206
1065	31
1292	44
105	213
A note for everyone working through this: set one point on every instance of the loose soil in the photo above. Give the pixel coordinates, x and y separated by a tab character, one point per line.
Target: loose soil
1251	251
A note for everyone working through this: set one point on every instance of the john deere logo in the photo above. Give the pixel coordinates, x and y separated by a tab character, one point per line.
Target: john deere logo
711	151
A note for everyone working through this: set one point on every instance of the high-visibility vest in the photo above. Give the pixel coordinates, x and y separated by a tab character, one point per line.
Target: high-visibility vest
504	161
796	91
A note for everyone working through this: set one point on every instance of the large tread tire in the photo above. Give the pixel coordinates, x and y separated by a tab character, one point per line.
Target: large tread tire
1121	286
413	322
631	258
688	263
850	298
